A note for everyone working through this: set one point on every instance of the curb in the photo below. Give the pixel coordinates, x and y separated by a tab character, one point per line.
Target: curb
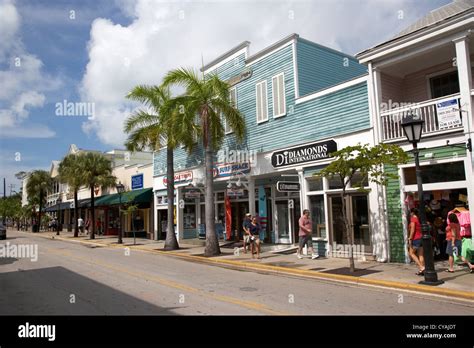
451	293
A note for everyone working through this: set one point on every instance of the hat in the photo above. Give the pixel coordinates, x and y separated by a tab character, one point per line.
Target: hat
248	214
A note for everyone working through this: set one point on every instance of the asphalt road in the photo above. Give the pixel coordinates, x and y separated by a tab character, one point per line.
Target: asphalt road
75	279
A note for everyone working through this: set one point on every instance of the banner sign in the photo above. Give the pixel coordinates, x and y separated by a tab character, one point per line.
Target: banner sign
448	114
180	178
229	169
137	182
288	186
192	193
235	192
303	154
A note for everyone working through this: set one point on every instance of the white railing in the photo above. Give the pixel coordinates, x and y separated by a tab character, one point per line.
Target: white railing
391	120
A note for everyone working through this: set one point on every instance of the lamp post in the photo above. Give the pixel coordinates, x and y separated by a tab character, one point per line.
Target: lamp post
120	189
413	127
58	202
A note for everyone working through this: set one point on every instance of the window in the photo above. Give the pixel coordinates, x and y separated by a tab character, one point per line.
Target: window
445	84
357	178
315	184
233	101
445	172
317	216
262	102
278	89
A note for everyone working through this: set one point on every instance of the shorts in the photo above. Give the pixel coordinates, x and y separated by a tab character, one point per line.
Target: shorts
246	238
256	238
416	244
306	239
449	247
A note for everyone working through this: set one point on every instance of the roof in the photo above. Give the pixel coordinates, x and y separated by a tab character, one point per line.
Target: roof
225	55
271	47
432	19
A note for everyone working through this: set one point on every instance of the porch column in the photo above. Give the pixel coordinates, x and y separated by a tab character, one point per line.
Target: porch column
251	183
179	204
463	63
304	204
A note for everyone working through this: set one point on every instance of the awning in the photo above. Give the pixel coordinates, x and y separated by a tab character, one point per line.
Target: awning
135	196
62	206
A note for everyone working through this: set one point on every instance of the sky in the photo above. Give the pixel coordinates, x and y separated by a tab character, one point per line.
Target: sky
91	53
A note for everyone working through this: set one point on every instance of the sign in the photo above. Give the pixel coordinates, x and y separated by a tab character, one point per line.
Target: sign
303	154
288	186
235	192
244	75
192	193
229	169
137	181
448	114
180	178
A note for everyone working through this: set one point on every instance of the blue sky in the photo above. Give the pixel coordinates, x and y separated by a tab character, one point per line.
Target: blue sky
97	53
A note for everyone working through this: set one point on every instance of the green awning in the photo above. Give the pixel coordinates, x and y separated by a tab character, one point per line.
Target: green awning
135	196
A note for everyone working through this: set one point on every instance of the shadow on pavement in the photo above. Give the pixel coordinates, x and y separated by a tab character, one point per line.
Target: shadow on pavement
49	291
7	260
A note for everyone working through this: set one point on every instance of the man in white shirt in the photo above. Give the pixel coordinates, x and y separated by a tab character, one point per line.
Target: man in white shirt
80	224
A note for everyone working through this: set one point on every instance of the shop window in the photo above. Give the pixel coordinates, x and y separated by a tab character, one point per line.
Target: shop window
445	84
315	184
189	216
317	216
220	196
335	183
357	178
262	102
453	171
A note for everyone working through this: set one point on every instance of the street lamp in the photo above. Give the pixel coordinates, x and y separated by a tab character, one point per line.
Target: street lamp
58	202
413	127
120	189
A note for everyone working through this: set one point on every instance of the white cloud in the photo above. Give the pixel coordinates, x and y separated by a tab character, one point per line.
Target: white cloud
168	35
23	81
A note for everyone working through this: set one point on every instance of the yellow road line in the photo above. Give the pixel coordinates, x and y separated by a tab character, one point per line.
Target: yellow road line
246	304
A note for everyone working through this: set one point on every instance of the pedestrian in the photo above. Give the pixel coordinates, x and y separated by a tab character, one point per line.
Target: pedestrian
246	233
80	224
88	224
454	247
254	237
98	226
415	248
305	234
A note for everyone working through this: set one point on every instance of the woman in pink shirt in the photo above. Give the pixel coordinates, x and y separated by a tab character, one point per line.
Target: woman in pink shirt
305	234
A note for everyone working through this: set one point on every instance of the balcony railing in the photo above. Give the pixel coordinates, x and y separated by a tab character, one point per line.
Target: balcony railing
391	120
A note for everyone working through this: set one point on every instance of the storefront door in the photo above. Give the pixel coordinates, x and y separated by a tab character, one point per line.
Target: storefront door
357	213
286	224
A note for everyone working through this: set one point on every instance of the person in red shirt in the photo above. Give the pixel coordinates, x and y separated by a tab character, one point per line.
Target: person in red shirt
305	235
415	248
454	240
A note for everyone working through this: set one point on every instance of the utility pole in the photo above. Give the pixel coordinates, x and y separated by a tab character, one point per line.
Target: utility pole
4	196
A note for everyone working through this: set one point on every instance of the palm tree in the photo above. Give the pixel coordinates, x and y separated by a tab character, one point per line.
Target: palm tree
70	173
161	124
96	171
209	99
39	183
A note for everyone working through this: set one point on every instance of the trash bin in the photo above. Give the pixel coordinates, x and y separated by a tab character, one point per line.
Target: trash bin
3	231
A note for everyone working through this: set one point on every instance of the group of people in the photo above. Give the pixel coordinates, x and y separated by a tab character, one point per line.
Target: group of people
83	226
252	229
453	242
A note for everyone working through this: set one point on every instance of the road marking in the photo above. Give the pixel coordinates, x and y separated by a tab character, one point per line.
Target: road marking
222	298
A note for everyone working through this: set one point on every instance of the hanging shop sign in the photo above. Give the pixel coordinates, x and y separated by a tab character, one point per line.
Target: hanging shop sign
180	178
288	186
303	154
137	181
244	75
448	114
192	193
230	169
235	192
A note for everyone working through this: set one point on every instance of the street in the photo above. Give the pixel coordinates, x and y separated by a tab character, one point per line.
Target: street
76	279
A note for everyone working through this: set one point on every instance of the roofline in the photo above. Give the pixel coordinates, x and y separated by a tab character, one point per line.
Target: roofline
327	48
272	47
363	55
225	55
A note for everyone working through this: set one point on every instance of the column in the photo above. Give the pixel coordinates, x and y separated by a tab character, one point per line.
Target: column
463	63
179	203
251	188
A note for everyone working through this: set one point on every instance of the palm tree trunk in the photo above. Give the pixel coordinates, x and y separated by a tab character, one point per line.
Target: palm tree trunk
171	243
92	213
76	211
212	243
39	212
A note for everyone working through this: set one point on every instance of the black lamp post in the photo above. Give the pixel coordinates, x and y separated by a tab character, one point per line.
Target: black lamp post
120	189
58	202
413	127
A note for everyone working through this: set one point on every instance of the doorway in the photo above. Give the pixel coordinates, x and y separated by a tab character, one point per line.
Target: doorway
287	217
238	211
162	225
357	212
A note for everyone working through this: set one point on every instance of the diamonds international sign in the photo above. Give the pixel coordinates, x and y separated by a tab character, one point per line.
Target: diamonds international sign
303	154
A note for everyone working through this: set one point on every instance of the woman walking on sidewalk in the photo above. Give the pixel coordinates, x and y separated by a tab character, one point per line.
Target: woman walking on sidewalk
254	229
415	248
454	247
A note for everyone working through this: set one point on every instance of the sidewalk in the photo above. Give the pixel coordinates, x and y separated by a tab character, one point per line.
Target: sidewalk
394	275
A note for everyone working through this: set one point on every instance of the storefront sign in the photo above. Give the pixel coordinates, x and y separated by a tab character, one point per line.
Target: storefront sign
448	114
303	154
137	181
192	193
229	169
180	178
235	192
288	186
244	75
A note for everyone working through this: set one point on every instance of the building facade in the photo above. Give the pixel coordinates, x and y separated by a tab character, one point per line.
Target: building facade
426	70
300	101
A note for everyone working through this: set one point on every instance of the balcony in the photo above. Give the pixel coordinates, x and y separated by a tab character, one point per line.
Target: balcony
390	125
